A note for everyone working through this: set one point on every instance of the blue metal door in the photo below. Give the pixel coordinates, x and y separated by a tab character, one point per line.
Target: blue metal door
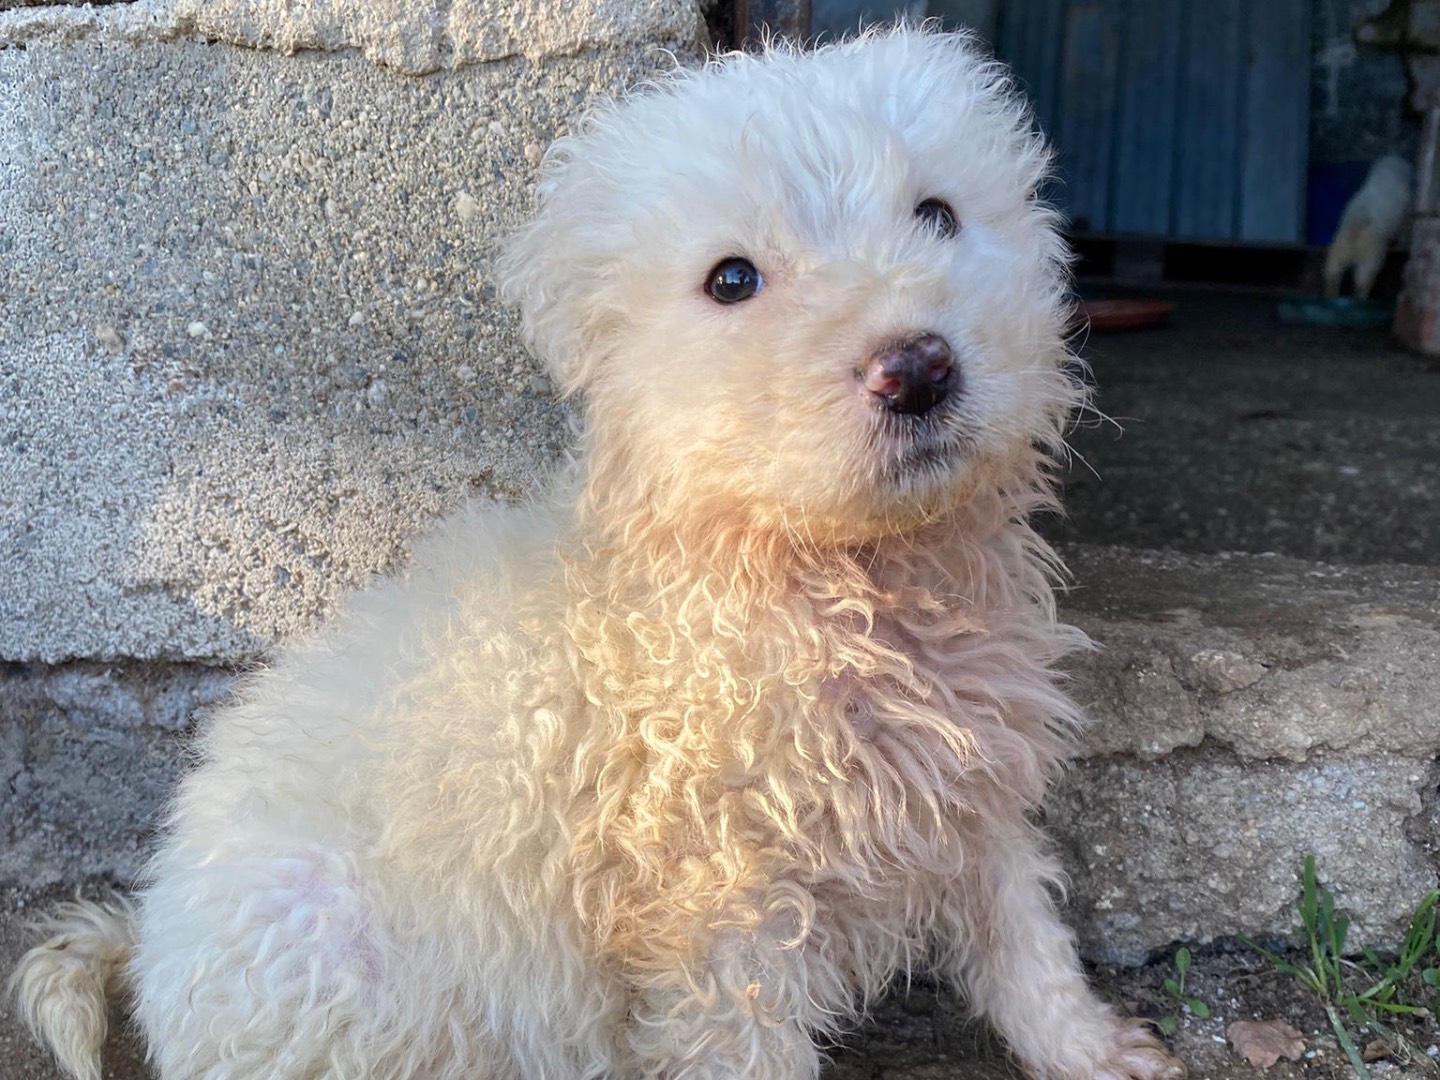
1184	119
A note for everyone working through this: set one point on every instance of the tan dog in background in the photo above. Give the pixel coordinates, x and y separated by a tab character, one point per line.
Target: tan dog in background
669	774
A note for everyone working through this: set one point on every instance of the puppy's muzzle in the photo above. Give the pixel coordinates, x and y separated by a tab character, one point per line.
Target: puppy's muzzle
914	376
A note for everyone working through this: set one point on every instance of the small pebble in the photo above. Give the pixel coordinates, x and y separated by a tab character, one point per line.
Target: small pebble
466	206
109	338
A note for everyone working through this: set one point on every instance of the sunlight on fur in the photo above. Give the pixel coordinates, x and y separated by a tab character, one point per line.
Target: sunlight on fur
669	773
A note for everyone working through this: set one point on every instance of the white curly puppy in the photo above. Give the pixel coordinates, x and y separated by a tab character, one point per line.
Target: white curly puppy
670	773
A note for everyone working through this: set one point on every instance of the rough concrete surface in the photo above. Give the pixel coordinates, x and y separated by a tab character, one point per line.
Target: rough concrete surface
1199	846
88	756
1249	710
415	37
1252	708
1264	656
247	337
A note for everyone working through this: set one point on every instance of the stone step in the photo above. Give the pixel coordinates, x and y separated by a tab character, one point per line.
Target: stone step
1247	710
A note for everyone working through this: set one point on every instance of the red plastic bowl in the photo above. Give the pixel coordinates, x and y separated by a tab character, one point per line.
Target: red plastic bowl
1107	316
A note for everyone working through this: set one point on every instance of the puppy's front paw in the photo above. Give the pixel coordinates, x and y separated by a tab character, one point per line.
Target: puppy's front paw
1138	1055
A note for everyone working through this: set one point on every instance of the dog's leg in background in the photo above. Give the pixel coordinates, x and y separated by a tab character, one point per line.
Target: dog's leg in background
1337	260
1005	945
1369	259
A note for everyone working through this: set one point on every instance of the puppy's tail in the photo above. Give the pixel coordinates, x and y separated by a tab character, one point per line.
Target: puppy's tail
60	986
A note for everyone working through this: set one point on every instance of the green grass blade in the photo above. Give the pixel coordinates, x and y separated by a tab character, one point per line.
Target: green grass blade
1346	1043
1309	907
1305	975
1339	930
1399	1009
1418	935
1357	1012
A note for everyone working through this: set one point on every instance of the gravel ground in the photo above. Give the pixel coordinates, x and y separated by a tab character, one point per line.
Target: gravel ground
1243	434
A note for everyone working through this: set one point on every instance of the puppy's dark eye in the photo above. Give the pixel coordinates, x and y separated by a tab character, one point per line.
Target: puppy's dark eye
734	280
937	214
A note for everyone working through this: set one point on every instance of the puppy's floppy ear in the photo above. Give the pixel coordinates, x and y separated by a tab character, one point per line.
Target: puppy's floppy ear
552	269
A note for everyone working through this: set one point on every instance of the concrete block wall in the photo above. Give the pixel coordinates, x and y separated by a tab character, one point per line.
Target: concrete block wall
249	347
1250	710
248	336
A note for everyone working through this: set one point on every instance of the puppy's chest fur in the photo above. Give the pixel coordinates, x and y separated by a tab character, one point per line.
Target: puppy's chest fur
858	728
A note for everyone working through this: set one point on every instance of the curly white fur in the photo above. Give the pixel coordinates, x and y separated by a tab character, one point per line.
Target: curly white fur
669	774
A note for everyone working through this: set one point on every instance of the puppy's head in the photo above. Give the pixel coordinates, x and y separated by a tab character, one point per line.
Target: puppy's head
816	290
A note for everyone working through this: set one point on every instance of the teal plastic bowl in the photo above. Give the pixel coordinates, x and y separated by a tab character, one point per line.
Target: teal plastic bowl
1342	311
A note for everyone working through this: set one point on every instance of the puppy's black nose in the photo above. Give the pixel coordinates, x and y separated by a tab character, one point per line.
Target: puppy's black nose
913	376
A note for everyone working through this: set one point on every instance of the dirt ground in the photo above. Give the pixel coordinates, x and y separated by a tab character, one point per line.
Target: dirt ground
927	1036
1233	432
